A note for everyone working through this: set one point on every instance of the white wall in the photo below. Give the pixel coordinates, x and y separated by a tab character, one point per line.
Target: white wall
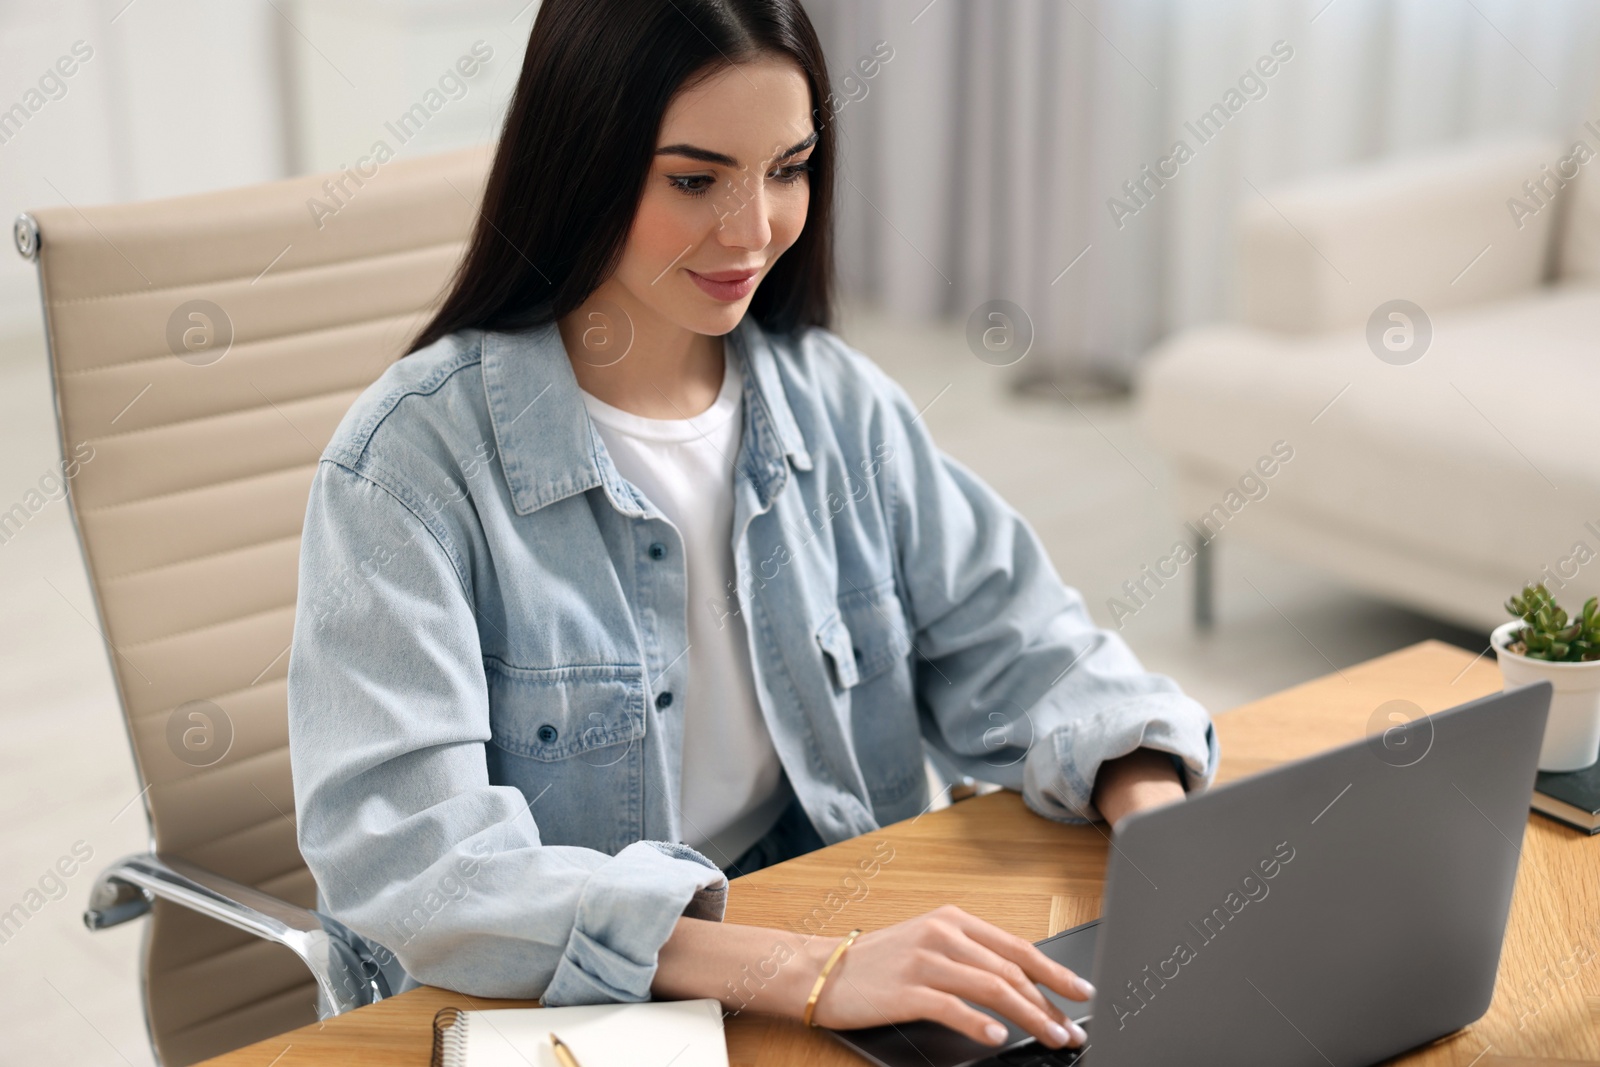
374	60
179	96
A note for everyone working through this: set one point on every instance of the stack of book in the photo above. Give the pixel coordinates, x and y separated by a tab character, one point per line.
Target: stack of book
1573	797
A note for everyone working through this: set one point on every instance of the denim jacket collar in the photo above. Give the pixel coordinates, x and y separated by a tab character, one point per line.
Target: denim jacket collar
550	450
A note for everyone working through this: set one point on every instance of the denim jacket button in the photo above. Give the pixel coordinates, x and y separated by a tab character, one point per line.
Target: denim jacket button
548	733
664	700
658	550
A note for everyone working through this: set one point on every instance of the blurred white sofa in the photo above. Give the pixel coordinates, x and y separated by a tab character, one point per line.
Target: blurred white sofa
1441	484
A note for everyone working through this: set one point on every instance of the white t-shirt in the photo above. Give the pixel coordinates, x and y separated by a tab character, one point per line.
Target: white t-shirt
733	787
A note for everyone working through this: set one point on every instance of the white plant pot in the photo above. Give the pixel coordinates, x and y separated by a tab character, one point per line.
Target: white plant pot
1572	733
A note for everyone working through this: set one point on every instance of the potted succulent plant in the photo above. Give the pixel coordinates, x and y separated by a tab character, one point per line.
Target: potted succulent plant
1543	643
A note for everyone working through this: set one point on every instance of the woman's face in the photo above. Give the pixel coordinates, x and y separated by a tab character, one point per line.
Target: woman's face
726	195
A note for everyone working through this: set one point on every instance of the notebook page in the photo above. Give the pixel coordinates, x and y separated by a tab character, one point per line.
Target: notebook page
682	1033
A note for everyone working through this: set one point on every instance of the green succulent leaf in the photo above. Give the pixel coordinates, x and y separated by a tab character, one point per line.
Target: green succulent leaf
1550	633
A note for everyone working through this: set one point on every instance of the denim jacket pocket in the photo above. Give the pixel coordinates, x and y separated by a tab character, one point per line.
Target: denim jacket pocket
573	739
557	713
836	643
867	643
866	636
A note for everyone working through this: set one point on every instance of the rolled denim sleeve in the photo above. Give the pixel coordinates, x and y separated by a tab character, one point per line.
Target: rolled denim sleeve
411	845
1016	684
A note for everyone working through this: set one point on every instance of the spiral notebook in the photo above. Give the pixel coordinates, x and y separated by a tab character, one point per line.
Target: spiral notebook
682	1033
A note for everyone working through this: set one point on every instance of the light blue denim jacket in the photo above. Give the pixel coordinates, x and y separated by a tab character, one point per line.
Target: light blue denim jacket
491	620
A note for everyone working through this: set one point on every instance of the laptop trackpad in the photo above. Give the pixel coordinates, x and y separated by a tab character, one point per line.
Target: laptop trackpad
927	1044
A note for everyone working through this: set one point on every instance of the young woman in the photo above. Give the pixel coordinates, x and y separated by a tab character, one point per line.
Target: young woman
631	575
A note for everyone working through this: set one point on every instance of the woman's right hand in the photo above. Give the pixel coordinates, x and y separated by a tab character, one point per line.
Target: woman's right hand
925	967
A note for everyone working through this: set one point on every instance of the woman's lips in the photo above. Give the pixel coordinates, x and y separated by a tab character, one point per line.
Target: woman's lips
733	286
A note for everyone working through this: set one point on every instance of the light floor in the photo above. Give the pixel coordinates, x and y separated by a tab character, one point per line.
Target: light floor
1083	477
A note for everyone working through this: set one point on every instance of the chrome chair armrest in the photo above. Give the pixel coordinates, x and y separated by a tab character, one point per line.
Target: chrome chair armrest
346	972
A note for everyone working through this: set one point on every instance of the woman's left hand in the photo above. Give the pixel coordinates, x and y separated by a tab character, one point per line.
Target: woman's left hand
1142	779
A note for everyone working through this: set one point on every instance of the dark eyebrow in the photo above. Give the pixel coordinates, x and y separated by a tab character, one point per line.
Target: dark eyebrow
705	155
802	146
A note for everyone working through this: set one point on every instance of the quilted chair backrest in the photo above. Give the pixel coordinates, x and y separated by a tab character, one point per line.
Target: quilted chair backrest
203	349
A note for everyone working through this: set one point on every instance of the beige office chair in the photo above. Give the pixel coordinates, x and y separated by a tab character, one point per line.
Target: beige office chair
202	351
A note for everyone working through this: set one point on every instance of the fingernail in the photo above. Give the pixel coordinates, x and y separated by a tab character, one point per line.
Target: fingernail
1058	1034
1087	987
1078	1031
995	1033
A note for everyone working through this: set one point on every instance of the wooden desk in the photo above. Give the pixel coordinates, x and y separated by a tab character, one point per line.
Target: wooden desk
1549	980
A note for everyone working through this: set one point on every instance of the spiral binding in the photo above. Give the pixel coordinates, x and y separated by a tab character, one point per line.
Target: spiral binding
449	1038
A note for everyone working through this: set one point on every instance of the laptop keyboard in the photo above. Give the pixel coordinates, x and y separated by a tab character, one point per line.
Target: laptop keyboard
1034	1055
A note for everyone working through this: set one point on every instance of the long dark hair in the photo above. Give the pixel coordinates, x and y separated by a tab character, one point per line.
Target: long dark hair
577	147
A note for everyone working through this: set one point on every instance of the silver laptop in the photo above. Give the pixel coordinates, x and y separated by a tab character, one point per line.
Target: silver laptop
1331	912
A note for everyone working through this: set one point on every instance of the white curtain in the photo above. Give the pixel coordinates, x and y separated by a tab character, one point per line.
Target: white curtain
979	161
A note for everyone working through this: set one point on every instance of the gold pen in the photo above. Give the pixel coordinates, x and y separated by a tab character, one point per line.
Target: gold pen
564	1054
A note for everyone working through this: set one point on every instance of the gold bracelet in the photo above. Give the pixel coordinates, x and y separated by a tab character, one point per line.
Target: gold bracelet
822	977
